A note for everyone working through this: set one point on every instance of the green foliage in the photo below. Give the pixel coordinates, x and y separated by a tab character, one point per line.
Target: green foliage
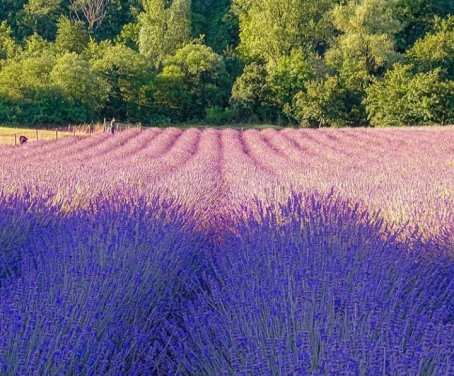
251	94
19	78
71	36
119	14
129	77
270	29
417	18
436	49
403	97
35	46
12	12
191	80
318	63
289	76
41	16
216	22
44	8
164	28
43	88
327	102
363	48
72	76
8	46
129	35
27	97
365	44
217	115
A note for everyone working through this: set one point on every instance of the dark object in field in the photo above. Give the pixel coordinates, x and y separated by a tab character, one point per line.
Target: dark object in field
112	126
23	140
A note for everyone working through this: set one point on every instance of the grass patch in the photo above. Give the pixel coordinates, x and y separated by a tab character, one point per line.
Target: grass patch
10	135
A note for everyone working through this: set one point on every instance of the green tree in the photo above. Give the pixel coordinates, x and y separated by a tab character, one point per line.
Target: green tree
285	61
405	98
192	80
164	28
35	46
436	49
417	18
363	48
129	36
19	78
119	13
130	77
74	78
251	94
8	46
26	95
12	11
327	102
365	44
216	22
49	89
72	36
42	15
289	76
270	29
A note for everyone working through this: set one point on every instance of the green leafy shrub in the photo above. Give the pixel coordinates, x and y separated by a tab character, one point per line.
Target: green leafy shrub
129	77
217	115
72	36
191	80
403	97
328	102
435	50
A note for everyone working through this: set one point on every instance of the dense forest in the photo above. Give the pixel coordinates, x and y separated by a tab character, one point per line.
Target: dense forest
313	63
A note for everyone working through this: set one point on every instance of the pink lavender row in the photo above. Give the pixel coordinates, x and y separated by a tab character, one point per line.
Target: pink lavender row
405	173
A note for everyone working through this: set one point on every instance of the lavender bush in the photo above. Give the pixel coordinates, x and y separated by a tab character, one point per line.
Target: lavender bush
320	287
22	218
131	286
96	290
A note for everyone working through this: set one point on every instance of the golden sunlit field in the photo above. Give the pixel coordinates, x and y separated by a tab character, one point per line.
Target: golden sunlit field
10	135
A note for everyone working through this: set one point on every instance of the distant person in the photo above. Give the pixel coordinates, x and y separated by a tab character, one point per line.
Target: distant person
112	126
23	140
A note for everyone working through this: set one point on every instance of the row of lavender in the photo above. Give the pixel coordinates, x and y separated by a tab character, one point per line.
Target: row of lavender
315	286
405	173
91	292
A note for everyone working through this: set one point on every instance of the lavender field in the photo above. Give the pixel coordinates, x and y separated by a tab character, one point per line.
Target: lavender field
227	252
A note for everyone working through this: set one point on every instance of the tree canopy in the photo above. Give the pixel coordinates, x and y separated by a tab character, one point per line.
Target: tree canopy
293	62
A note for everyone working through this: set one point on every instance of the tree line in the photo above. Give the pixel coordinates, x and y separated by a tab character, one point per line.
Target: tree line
289	62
